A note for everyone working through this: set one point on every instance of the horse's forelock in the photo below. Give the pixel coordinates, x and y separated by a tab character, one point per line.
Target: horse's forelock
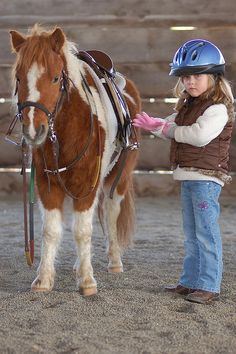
36	48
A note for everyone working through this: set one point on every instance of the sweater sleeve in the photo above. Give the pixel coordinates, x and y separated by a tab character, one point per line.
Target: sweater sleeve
207	127
158	132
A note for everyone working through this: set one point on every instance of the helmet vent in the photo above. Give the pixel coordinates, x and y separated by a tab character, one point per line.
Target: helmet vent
194	55
184	55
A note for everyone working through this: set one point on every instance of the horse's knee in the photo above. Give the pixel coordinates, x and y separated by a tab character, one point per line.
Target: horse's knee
82	226
52	225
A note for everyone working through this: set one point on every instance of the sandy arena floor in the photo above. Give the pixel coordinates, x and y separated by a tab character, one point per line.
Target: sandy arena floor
131	313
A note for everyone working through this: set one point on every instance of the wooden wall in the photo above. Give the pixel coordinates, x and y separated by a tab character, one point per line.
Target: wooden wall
137	35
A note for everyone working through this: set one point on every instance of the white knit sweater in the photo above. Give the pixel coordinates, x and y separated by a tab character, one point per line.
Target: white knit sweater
207	127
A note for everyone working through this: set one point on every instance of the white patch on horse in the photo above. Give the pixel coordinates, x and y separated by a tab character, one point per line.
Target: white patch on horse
129	97
34	95
75	68
52	234
82	228
112	211
120	81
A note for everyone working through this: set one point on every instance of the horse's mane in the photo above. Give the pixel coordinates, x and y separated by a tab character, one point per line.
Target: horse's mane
36	48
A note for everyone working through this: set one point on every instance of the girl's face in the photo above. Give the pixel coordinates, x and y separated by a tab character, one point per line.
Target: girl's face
195	85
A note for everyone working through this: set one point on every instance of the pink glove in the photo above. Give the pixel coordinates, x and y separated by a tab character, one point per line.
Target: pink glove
148	123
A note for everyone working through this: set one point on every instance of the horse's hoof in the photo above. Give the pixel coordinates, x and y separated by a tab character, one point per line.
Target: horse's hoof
35	289
39	286
118	269
88	291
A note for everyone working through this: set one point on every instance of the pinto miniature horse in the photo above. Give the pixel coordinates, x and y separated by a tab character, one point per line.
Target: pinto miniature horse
44	60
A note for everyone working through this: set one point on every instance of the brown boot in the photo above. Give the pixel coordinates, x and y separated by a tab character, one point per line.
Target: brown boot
202	297
179	289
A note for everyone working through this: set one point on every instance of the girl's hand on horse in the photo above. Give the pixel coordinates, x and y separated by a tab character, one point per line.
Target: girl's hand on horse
144	121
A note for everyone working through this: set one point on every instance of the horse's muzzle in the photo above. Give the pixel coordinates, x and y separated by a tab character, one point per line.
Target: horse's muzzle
37	136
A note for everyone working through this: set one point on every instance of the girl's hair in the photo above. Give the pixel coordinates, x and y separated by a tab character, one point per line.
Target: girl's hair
219	91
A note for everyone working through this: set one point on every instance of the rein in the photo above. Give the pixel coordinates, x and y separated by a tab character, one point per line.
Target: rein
56	150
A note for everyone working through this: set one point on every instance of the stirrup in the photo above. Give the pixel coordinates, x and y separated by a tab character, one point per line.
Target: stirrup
126	143
133	146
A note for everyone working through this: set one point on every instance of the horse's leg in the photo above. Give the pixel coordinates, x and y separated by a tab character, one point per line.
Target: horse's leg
112	209
52	234
82	233
119	214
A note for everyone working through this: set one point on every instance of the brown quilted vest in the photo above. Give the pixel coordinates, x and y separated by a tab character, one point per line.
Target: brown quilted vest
213	156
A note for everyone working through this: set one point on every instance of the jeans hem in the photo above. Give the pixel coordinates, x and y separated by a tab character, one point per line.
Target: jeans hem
195	287
209	289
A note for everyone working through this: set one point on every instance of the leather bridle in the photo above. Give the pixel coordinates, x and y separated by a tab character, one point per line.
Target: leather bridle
50	115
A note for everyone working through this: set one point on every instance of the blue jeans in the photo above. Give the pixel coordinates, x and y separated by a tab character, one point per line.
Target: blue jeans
202	266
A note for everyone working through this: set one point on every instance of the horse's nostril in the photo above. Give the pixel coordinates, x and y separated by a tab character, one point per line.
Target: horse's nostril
41	130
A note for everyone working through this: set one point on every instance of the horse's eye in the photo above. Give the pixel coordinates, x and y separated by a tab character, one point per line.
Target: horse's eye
55	79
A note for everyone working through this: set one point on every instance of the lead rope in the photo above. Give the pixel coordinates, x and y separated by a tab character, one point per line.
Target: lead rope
31	211
29	241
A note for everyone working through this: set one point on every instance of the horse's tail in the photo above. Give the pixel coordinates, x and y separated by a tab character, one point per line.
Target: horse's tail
126	219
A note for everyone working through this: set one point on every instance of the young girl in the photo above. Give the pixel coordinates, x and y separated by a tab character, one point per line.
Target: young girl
201	133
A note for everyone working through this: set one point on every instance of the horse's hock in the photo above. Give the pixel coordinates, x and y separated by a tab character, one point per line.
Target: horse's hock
138	31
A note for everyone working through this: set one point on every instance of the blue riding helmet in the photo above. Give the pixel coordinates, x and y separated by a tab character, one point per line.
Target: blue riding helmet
197	56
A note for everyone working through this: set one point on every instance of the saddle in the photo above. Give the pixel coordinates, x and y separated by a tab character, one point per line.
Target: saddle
113	83
99	61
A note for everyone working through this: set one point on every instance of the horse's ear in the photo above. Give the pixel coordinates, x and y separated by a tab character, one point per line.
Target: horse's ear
17	39
57	39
